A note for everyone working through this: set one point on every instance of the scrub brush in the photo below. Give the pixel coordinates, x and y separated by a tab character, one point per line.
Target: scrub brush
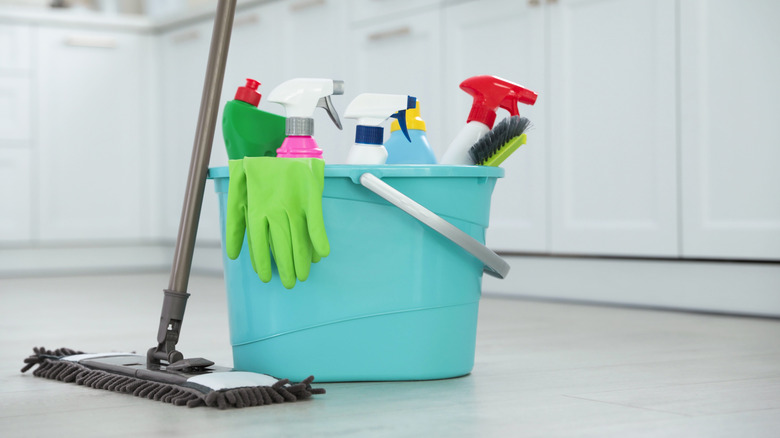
495	146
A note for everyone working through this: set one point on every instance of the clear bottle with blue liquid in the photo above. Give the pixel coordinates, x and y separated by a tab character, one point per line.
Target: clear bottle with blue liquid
402	151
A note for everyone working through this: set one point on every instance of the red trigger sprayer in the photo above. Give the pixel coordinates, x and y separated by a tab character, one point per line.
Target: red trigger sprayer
490	93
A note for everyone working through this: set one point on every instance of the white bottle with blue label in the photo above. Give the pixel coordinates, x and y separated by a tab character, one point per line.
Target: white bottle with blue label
371	110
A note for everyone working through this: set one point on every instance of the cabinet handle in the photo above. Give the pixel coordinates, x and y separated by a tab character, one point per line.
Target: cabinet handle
246	20
393	33
88	41
307	4
534	2
185	36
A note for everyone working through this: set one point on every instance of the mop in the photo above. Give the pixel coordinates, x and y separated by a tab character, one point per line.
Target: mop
164	374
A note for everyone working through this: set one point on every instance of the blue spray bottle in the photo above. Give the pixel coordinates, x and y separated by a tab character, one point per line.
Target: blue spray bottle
417	150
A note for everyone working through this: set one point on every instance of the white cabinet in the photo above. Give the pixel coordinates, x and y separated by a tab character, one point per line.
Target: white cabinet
729	66
184	55
15	40
477	38
400	56
613	127
15	92
15	85
15	195
93	143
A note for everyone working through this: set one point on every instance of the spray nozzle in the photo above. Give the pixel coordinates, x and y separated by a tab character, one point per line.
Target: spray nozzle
301	96
411	103
371	109
326	104
491	93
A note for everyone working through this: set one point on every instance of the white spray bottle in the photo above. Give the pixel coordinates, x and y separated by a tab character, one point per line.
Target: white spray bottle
489	93
300	97
371	110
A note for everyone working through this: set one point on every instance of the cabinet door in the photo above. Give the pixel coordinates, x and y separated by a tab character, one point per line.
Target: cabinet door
15	195
184	55
613	116
91	134
730	148
14	47
400	56
15	95
475	37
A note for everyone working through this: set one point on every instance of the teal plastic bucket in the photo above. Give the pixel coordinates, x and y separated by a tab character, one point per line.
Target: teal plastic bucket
394	300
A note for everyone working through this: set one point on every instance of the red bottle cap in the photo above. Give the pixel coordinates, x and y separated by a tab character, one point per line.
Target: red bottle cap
492	92
249	92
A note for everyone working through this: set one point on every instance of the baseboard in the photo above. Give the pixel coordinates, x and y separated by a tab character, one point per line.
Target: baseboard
103	259
207	260
722	287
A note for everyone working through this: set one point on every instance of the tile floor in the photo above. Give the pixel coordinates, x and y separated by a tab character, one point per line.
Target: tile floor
542	370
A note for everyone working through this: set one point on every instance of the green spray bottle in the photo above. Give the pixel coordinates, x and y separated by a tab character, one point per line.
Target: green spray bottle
249	131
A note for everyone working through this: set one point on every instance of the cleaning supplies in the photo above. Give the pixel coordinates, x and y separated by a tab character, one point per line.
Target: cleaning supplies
498	144
400	150
370	110
300	97
279	199
490	93
248	131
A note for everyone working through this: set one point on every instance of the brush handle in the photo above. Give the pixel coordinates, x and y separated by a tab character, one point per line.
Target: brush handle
458	151
494	265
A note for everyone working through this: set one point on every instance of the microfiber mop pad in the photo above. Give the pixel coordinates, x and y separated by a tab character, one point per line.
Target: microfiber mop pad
128	374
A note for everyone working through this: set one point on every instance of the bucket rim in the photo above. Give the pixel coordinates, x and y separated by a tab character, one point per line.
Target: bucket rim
392	171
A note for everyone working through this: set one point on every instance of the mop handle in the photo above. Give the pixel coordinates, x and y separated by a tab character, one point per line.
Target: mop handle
175	297
201	150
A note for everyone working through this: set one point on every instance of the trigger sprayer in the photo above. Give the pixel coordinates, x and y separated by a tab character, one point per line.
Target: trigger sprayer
490	93
371	110
300	97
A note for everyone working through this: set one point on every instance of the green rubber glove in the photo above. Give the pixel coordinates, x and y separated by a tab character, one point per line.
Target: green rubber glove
282	206
235	222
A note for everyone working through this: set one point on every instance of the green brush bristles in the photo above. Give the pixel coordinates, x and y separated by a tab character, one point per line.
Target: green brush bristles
500	142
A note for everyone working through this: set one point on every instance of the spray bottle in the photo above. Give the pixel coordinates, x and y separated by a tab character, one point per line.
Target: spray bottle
490	93
300	97
370	110
400	150
248	131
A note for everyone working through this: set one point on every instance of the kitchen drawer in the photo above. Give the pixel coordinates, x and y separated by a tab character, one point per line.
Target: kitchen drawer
373	9
14	110
15	42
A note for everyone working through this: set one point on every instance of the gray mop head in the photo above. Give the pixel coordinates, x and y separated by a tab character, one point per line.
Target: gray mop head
125	373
